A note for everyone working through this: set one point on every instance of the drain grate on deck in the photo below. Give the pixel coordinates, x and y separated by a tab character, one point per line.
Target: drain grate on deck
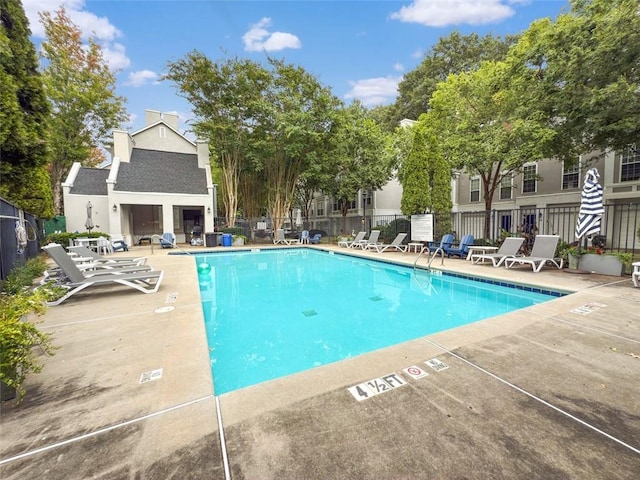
309	313
172	297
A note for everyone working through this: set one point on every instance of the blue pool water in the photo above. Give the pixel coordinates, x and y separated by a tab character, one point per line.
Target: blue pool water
273	313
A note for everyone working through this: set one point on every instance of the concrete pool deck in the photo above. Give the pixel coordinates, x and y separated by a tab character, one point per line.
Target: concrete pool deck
542	393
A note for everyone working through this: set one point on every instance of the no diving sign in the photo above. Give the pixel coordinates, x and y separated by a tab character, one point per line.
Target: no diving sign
415	372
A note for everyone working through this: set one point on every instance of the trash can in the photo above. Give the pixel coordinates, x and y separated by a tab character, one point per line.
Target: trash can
226	239
211	239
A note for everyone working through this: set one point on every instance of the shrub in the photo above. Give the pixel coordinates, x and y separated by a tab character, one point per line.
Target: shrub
390	231
19	336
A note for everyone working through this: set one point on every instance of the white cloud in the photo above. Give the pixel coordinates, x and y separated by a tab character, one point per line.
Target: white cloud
440	13
115	56
99	28
140	78
374	91
89	23
258	38
398	67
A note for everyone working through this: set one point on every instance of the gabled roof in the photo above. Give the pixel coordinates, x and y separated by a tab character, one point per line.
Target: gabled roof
90	181
158	171
161	122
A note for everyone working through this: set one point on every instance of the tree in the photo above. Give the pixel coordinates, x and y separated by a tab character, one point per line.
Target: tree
24	116
296	119
485	128
453	54
582	74
81	90
226	98
424	174
361	160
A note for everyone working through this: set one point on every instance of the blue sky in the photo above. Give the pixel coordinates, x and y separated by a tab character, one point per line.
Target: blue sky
359	48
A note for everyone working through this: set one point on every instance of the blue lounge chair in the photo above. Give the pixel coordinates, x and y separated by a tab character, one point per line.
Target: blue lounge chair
445	242
461	249
316	238
168	240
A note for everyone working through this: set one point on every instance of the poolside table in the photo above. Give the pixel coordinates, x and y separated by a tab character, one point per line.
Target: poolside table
480	249
415	247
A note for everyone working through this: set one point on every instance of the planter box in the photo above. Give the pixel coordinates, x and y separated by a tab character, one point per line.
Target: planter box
603	264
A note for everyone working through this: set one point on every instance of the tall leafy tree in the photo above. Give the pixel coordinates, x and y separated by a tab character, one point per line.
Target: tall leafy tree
296	119
455	53
424	173
24	116
81	89
484	127
226	97
361	159
582	73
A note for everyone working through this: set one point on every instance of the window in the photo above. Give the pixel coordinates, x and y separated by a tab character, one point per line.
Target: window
570	176
475	190
630	164
506	185
320	208
529	178
163	132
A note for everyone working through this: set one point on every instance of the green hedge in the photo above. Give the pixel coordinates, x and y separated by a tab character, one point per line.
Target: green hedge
66	238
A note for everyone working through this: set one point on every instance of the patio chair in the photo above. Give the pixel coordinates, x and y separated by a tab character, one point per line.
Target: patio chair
445	242
304	236
359	238
372	240
168	240
97	258
75	280
396	245
461	249
636	273
542	252
104	246
316	238
508	249
118	243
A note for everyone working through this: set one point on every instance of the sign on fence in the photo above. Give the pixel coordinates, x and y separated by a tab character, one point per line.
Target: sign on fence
422	228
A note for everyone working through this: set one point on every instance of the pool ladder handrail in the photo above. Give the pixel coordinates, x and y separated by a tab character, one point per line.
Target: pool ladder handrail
432	257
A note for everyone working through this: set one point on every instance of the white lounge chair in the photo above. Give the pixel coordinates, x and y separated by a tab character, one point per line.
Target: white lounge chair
543	252
635	276
356	241
396	245
280	238
508	249
75	280
97	258
372	240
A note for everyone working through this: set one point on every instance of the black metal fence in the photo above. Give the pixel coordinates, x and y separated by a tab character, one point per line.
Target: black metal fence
619	227
11	255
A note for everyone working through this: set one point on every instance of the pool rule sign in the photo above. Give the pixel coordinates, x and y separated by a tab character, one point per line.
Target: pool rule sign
422	228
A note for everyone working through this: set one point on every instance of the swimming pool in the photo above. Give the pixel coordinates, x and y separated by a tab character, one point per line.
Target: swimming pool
271	313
